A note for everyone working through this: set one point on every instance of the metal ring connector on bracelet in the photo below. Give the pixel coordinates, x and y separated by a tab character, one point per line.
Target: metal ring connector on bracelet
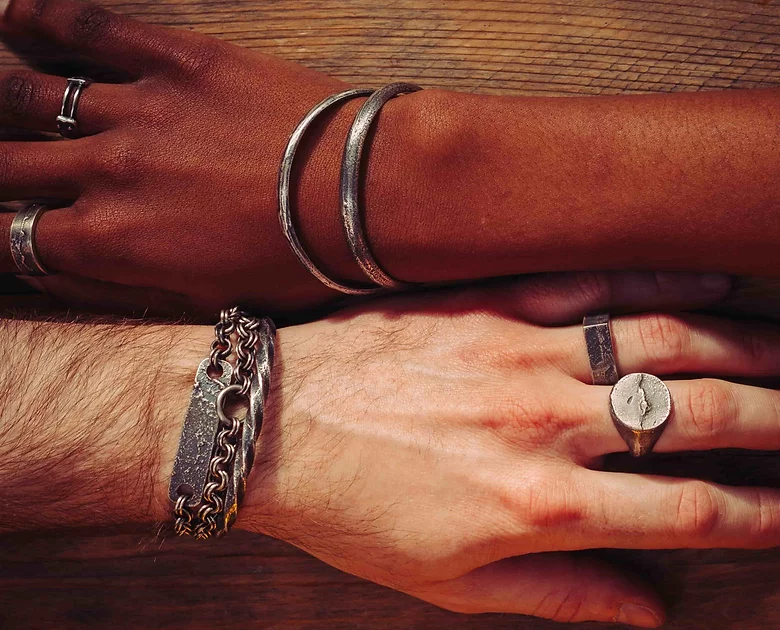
285	211
350	182
23	250
67	122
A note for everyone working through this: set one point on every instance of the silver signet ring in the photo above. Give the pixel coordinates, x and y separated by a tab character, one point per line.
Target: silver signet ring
640	405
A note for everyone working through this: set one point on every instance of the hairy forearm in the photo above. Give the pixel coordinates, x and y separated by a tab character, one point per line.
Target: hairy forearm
464	186
90	420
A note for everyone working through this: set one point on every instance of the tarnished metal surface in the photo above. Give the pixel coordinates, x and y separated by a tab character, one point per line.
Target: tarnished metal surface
191	467
640	405
601	355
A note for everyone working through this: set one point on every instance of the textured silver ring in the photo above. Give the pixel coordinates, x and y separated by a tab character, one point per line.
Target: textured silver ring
23	250
350	182
285	211
601	353
67	122
640	405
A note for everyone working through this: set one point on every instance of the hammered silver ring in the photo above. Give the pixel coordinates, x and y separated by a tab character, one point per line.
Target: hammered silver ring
23	250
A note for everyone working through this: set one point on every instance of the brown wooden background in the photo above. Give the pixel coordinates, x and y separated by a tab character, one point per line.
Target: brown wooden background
129	579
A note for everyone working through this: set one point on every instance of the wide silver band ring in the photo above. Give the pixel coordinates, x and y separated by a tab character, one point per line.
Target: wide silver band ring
67	122
350	183
601	353
285	210
23	250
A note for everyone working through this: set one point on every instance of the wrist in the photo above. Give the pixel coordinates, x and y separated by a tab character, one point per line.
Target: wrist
86	421
276	488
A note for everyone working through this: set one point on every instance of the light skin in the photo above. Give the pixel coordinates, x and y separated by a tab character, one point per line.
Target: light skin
457	186
445	445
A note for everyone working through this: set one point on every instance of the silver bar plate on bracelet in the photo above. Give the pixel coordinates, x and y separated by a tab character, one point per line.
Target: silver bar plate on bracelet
251	426
198	435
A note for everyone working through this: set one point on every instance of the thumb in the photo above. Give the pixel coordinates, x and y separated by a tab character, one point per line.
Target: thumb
558	586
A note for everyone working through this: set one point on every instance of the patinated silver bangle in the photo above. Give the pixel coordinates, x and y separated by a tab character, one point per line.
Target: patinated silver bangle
285	211
350	183
23	250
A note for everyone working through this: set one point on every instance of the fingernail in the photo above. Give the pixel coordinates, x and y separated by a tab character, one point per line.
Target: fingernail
716	282
636	615
4	7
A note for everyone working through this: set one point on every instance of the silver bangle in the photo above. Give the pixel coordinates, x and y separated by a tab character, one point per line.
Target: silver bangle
350	182
285	211
23	250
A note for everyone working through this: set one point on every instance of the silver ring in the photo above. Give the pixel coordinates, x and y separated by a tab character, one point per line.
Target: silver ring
640	405
601	353
23	250
67	123
285	211
350	181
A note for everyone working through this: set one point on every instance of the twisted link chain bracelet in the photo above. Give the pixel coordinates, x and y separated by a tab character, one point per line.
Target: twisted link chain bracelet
216	449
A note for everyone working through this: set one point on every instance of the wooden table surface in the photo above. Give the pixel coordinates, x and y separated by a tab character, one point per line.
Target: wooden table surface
130	579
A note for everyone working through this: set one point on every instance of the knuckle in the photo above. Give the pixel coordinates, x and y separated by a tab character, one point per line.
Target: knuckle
80	251
711	409
564	605
568	607
550	505
500	358
520	418
595	287
119	161
767	519
26	11
756	348
663	338
91	24
104	234
195	59
19	91
698	510
665	286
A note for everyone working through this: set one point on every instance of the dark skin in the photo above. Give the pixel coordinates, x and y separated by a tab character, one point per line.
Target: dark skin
161	214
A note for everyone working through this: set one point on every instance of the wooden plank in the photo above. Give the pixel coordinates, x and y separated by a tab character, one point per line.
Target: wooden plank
129	579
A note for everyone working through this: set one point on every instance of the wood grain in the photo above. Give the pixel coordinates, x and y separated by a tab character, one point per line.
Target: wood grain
129	579
547	48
